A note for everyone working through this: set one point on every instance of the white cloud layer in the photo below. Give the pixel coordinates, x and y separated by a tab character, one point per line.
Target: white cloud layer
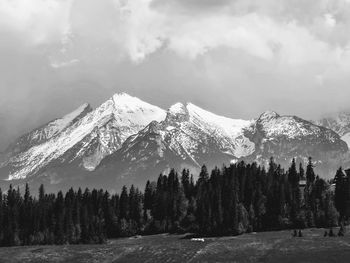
291	55
39	21
138	28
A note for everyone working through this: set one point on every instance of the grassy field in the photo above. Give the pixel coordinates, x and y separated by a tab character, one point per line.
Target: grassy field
255	247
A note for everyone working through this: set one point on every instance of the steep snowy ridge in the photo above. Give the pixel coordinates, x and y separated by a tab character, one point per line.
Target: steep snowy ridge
190	136
126	137
60	124
290	126
127	114
187	138
193	135
231	127
229	131
47	131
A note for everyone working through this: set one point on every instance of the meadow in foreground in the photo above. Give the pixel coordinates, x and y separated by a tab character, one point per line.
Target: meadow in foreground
278	246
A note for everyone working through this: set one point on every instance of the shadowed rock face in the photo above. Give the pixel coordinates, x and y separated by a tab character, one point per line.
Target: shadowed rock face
126	140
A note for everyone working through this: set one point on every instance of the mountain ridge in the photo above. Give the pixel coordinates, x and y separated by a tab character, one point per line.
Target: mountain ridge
340	123
127	137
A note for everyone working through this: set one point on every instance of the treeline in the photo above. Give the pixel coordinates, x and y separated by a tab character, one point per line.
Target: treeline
228	201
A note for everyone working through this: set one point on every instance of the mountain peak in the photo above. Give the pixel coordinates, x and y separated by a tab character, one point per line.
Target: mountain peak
130	104
178	108
153	126
268	115
141	136
177	113
121	95
125	99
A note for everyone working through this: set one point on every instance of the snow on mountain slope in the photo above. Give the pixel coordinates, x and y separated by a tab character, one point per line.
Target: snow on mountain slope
188	138
126	137
287	137
188	135
289	126
108	126
47	131
228	132
231	127
191	136
192	132
60	124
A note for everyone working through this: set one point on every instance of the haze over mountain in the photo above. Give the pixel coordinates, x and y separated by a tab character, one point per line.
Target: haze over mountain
126	140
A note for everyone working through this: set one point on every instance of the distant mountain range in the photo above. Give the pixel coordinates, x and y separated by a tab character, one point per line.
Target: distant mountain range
339	123
126	140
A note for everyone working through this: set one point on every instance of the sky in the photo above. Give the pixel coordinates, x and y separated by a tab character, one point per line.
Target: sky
236	58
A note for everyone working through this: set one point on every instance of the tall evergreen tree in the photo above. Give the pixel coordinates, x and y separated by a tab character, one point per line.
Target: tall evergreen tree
310	174
124	204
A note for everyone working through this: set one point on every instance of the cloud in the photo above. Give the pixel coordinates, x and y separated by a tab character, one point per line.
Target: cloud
138	28
39	21
330	20
291	56
64	64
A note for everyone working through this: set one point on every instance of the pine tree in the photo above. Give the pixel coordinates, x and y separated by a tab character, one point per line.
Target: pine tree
310	199
301	171
59	215
124	204
340	192
203	209
149	199
332	215
203	175
2	214
293	178
185	180
310	174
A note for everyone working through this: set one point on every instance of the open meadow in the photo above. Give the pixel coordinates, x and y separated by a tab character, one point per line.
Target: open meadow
278	246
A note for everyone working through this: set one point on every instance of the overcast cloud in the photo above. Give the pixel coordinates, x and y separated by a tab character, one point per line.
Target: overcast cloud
236	58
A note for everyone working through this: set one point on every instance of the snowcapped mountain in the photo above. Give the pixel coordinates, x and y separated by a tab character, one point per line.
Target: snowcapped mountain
191	132
89	139
47	131
287	137
126	140
339	123
188	137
